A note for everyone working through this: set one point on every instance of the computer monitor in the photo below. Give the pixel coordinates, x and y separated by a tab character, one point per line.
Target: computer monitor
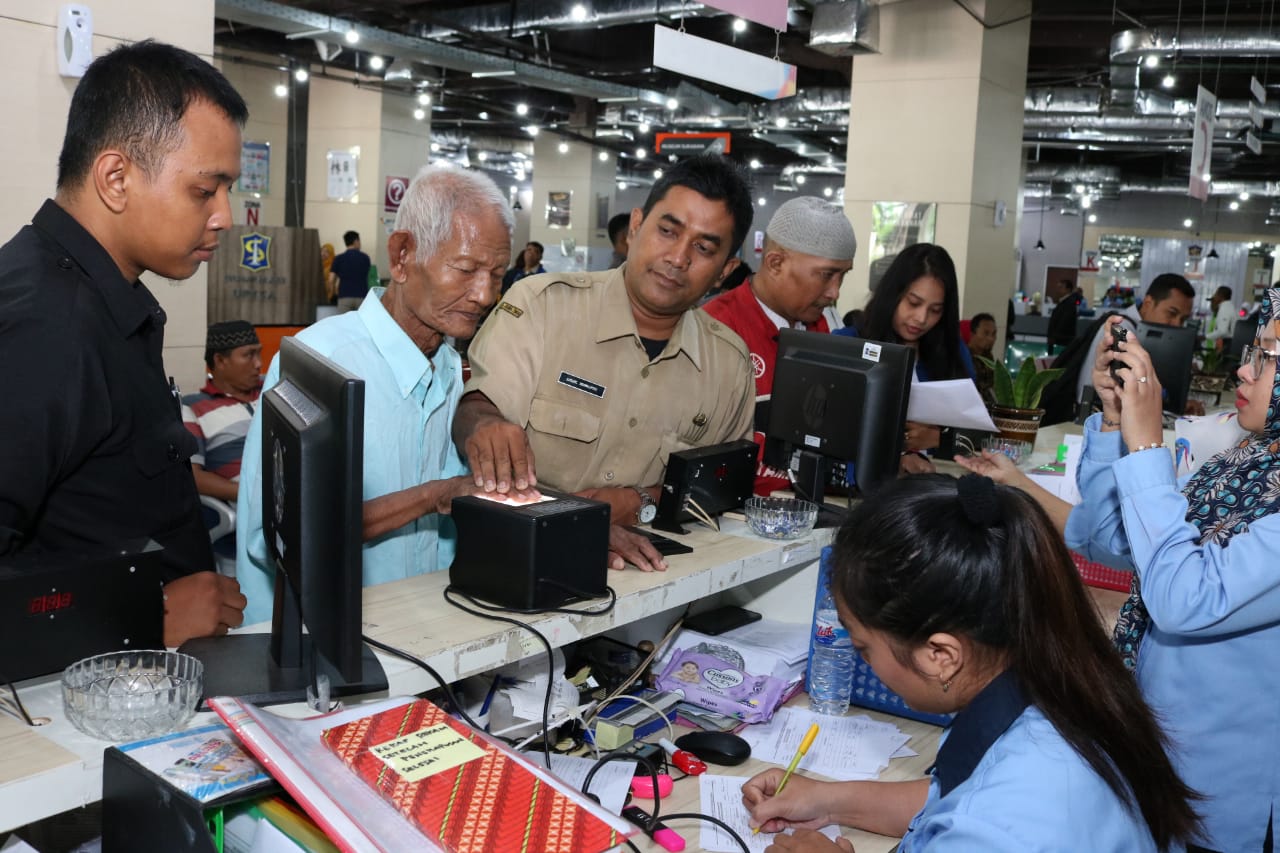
312	500
1246	330
1171	349
839	399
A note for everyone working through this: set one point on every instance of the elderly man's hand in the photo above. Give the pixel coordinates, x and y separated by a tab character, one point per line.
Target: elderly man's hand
500	456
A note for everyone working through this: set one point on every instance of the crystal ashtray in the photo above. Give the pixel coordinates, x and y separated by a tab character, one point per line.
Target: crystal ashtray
780	518
127	696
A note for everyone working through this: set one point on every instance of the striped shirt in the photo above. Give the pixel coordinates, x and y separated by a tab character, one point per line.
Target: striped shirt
219	422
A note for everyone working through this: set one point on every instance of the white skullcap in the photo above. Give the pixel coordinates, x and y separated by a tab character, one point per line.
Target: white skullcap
812	226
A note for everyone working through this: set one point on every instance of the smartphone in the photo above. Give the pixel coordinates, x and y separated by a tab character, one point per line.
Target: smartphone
720	620
1118	334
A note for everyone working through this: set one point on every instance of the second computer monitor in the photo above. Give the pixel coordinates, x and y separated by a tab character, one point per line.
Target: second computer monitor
842	399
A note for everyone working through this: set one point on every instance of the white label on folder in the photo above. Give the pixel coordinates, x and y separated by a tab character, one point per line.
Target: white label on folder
812	441
871	351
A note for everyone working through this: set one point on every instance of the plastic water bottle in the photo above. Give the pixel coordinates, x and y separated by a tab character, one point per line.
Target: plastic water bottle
831	667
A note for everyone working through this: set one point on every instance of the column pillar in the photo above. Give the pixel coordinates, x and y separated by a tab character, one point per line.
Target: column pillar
589	180
936	116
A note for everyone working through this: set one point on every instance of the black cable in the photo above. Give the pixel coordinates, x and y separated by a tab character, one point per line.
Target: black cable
551	660
620	754
987	26
717	821
21	708
444	685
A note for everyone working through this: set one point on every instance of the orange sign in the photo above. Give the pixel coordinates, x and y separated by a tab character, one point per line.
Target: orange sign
691	143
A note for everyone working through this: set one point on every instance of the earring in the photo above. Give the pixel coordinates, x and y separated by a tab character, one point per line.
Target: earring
946	685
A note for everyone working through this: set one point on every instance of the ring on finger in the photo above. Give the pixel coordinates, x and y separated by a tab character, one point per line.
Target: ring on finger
1142	379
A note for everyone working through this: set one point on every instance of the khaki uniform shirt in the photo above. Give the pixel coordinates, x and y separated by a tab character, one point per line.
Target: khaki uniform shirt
560	355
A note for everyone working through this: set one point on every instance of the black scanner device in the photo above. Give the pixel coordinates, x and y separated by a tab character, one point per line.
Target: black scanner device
720	748
531	556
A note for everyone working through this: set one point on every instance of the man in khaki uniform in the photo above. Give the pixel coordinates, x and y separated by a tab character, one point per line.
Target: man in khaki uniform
600	376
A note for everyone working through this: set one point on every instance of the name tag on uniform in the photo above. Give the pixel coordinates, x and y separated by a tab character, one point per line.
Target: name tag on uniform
584	385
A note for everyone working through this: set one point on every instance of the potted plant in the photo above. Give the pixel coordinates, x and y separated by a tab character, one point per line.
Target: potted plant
1016	411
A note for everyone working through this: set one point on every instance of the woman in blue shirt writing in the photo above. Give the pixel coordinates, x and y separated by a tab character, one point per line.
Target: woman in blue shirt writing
963	599
1203	622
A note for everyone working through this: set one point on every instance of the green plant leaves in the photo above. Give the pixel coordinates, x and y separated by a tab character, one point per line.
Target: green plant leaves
1024	390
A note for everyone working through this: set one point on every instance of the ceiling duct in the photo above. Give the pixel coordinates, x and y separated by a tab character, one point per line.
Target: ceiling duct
1063	99
845	28
1222	188
1130	47
1074	174
517	19
1149	125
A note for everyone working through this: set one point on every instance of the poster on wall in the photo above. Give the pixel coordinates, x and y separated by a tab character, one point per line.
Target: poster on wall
559	206
894	226
1089	260
394	194
255	167
342	184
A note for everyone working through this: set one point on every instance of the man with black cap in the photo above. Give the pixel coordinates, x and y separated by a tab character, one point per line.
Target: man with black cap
808	249
218	415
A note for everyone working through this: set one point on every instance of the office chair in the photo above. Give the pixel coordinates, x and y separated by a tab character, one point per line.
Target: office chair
220	519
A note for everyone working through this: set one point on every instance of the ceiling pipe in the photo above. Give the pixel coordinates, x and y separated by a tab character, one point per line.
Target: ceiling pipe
519	19
1130	48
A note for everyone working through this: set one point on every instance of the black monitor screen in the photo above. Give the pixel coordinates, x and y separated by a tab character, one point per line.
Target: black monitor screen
1171	349
844	399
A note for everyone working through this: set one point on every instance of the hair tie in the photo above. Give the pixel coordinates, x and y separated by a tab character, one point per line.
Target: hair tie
977	496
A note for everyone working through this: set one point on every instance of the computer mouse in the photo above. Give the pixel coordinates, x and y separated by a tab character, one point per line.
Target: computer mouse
716	747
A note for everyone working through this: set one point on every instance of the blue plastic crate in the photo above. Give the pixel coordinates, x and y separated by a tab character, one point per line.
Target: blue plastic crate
868	691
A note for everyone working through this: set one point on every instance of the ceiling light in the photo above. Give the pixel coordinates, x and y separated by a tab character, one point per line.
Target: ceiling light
1235	205
282	91
657	173
1213	253
1085	202
435	148
1244	196
532	130
419	113
301	75
1186	223
1079	189
643	127
496	72
578	12
827	191
1039	245
604	156
755	164
564	147
800	180
484	115
424	99
1093	217
739	25
1152	61
622	185
482	156
780	121
761	201
522	109
376	63
1168	81
673	104
351	36
641	153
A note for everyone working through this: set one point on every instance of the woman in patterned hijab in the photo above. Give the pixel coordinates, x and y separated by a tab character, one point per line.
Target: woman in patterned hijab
1205	629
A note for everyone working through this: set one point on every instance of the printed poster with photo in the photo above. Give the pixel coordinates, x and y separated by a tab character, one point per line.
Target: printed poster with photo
896	225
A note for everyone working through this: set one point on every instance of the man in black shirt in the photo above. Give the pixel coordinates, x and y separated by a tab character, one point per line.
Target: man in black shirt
93	453
1062	322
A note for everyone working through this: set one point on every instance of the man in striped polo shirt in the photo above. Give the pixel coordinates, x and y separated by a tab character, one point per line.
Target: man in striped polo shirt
219	414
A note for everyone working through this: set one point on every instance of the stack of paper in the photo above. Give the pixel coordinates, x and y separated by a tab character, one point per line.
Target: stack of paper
846	749
766	647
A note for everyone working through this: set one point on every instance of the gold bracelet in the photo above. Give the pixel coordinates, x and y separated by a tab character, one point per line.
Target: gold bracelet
1142	447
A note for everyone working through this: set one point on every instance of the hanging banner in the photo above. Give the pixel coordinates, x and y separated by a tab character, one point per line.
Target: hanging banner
1259	92
719	63
1202	143
1252	142
771	13
692	143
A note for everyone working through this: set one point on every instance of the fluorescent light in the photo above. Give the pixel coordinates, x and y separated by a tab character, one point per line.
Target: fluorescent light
1152	61
622	185
578	12
657	173
564	148
522	109
641	153
827	191
1186	223
739	25
604	155
351	36
435	148
376	62
780	121
799	180
755	164
482	156
1244	196
673	104
1168	81
419	113
532	130
643	127
424	99
761	201
1093	217
301	75
282	91
1235	205
497	72
484	115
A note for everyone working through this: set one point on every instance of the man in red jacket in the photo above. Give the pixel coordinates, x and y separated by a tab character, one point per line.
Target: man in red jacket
808	248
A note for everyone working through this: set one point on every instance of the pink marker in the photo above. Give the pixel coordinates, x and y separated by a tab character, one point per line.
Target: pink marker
666	837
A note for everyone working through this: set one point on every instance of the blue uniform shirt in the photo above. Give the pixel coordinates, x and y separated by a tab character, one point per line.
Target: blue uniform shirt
1206	664
1007	782
409	405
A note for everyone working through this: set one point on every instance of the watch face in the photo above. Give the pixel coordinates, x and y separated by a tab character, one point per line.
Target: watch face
648	512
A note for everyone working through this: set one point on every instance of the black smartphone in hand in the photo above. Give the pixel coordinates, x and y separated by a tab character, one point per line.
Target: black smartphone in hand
1119	334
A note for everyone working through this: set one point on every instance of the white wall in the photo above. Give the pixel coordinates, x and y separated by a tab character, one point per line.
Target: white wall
269	123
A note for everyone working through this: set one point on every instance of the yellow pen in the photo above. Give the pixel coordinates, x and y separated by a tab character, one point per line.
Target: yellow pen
805	743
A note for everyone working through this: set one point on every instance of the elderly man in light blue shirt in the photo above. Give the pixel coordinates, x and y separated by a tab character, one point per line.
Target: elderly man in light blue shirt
448	253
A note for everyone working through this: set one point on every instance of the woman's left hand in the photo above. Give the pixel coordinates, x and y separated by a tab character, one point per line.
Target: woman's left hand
921	436
809	841
1141	398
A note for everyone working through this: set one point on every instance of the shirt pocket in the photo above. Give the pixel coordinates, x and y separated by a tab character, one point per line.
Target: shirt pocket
160	450
563	420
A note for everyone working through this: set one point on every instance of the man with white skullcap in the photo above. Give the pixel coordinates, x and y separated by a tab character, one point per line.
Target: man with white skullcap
808	248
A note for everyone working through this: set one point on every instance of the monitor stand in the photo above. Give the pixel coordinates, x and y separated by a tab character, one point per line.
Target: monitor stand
811	483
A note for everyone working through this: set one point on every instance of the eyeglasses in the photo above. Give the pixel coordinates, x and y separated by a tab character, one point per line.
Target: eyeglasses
1255	356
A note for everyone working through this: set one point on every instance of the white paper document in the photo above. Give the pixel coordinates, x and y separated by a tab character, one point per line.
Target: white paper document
847	748
722	798
611	782
949	403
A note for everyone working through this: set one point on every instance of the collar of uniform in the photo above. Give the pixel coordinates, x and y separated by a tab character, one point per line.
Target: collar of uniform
616	320
408	363
129	304
975	728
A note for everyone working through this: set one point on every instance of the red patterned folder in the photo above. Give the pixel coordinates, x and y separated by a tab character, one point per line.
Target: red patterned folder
493	804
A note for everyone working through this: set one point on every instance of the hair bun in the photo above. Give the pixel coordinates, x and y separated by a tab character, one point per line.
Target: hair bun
977	496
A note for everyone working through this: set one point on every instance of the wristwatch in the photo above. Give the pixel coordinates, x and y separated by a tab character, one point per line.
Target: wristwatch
648	510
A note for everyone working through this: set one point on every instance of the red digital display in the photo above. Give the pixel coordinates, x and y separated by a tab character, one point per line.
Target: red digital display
50	603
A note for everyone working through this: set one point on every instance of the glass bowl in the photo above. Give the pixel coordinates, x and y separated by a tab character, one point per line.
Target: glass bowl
780	518
1019	452
126	696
